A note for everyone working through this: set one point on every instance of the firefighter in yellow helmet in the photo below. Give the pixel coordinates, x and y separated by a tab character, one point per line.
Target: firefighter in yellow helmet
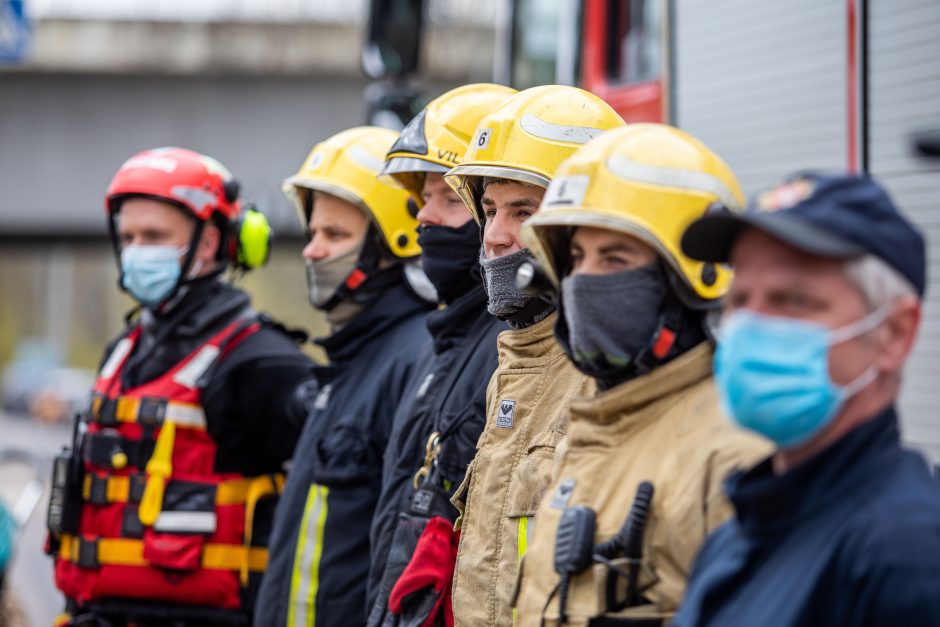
361	235
640	480
449	382
514	154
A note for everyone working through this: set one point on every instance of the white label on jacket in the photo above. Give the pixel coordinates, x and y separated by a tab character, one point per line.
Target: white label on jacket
121	349
507	409
189	375
323	398
423	388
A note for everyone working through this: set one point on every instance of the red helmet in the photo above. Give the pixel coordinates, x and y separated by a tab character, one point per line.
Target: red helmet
180	176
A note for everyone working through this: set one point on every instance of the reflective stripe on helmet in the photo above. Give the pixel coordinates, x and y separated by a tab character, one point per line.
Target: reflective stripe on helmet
672	177
567	133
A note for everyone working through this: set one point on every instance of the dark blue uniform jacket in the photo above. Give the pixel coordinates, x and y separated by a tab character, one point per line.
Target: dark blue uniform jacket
849	537
447	395
319	551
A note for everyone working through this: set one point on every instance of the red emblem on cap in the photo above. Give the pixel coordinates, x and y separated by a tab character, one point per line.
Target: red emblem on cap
785	195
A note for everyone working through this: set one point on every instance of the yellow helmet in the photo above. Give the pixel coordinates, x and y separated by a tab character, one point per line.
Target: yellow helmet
437	138
347	166
646	180
528	137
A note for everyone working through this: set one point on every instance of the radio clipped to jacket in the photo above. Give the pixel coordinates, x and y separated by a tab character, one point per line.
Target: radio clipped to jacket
575	550
65	497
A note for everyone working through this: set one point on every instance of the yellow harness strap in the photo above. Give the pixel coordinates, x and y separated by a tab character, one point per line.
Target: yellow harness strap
127	410
127	552
228	492
258	488
159	469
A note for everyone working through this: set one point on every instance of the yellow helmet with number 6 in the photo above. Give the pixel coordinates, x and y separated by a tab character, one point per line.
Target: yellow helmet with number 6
528	137
437	138
347	166
649	181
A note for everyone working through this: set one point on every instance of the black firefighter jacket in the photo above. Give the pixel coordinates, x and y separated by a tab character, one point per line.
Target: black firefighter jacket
319	550
446	395
848	537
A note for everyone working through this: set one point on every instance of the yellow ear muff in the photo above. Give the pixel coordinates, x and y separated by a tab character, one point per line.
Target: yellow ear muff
254	239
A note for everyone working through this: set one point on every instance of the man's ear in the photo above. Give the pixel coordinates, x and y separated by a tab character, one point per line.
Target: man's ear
900	332
207	250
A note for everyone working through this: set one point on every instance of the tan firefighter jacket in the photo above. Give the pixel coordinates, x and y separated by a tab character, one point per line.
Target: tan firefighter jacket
527	415
664	427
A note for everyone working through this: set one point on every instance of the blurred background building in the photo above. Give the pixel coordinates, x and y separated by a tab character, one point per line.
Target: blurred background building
773	87
255	84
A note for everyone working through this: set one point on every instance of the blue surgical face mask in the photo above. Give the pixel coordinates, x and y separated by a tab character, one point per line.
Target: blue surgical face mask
150	273
773	373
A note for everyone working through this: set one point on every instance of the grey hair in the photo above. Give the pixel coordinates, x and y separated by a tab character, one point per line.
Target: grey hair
879	283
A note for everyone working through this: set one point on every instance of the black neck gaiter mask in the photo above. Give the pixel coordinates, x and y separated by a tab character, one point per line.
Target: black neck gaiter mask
450	258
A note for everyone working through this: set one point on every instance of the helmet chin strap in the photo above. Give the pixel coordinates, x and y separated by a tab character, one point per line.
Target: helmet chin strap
190	268
535	307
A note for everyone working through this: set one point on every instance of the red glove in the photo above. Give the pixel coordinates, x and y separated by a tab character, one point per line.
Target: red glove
427	580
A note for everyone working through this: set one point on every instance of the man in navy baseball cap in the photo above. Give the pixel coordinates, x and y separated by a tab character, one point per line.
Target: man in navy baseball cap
836	216
841	525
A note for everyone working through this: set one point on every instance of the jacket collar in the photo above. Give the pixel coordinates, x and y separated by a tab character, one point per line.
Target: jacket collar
767	503
392	306
455	321
201	309
534	346
610	406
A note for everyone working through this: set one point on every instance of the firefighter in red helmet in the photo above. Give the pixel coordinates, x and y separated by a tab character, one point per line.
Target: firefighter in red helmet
161	509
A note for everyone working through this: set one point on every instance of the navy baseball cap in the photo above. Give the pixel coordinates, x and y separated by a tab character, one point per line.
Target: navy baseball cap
840	216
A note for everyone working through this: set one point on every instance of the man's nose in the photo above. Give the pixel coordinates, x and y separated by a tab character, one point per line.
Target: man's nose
314	250
499	234
429	214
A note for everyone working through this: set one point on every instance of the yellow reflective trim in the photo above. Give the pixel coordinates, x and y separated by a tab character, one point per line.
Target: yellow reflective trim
522	538
305	579
522	545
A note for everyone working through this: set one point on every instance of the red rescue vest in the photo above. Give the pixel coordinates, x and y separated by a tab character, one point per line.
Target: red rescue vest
157	522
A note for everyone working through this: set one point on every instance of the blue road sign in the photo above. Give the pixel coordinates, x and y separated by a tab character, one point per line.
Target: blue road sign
14	31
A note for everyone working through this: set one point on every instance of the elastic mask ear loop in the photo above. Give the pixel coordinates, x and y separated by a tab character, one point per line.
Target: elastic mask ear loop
860	382
187	265
187	270
859	327
853	330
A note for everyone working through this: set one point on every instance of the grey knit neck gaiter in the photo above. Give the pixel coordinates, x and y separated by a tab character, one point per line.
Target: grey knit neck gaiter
499	275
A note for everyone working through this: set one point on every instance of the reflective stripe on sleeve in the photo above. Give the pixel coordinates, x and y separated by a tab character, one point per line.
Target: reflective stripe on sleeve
522	544
305	578
522	536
